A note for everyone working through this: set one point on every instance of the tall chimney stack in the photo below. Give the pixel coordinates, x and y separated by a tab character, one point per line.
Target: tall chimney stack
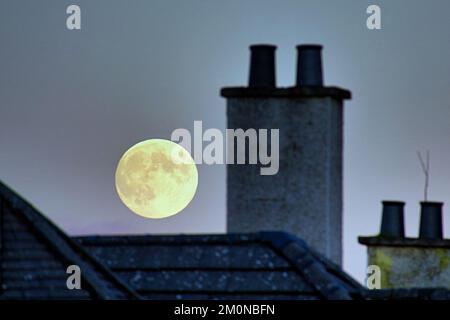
305	196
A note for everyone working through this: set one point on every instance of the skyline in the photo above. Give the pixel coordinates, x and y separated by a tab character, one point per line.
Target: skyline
139	71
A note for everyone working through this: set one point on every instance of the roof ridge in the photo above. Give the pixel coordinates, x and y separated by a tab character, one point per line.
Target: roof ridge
336	269
308	263
92	269
168	239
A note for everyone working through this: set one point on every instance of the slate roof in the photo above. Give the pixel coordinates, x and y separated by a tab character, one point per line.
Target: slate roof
34	256
265	265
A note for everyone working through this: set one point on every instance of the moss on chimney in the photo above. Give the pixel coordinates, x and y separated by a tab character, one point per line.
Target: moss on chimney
443	258
380	258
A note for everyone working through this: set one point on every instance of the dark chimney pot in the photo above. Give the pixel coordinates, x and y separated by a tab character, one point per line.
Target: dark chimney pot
392	221
431	220
262	66
309	65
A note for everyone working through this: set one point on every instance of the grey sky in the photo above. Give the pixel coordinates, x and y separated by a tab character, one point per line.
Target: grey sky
71	102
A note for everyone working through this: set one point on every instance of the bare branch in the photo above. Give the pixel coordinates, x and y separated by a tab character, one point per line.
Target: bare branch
422	163
426	171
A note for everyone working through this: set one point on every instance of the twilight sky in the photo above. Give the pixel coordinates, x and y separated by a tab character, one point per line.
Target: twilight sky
71	102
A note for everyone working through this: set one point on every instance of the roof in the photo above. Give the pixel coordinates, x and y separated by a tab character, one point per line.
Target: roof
35	255
265	265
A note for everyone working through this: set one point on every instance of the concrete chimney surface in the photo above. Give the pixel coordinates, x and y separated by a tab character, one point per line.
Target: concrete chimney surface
405	262
305	196
410	262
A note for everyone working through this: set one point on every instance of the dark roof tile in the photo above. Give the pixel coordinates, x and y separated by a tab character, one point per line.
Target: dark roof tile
253	265
217	281
189	256
35	255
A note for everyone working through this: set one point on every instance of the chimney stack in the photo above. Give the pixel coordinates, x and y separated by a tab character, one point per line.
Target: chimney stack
262	66
305	196
431	220
309	65
422	262
392	224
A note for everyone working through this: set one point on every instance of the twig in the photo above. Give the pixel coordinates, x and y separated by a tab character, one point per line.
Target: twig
426	171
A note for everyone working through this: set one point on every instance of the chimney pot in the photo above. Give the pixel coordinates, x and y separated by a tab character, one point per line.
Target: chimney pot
431	220
309	65
392	221
262	66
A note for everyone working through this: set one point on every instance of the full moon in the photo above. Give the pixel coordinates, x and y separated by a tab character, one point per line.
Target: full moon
151	183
